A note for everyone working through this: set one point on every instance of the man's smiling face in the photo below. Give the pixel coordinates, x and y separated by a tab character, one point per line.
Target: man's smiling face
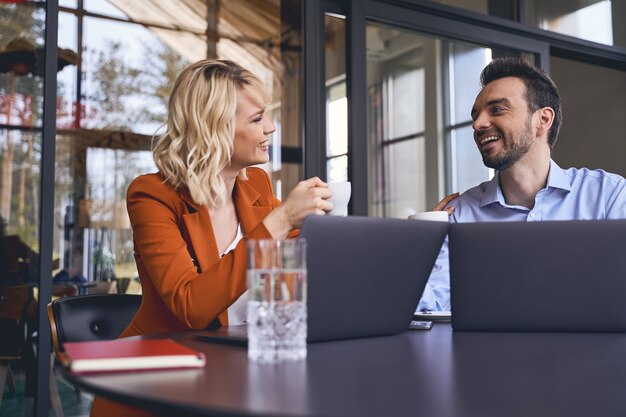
502	125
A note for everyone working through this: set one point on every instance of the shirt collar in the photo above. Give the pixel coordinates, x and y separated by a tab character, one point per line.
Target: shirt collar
493	193
557	178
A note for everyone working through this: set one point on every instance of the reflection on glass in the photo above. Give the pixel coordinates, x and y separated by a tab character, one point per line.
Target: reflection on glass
596	20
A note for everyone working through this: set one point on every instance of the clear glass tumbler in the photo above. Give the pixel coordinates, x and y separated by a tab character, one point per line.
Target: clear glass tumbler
277	314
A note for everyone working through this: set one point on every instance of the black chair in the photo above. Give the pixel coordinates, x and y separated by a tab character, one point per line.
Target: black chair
90	317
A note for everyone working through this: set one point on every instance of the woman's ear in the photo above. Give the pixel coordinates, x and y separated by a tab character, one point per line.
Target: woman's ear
546	118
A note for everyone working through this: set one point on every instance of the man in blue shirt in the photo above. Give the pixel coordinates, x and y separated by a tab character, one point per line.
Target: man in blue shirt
516	120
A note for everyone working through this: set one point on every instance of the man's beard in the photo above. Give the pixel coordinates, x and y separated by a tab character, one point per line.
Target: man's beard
512	152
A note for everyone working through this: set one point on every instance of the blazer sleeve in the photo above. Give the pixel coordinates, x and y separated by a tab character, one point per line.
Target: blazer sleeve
196	299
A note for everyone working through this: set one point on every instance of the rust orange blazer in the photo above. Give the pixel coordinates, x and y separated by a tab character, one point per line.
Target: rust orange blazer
185	284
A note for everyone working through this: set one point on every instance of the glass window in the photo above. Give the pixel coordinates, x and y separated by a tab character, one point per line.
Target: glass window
67	78
109	173
405	101
465	63
336	100
467	169
22	26
595	20
21	101
67	3
128	73
397	120
421	90
107	115
337	133
406	184
20	156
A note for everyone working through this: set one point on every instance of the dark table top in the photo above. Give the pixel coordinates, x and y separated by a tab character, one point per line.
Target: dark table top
418	373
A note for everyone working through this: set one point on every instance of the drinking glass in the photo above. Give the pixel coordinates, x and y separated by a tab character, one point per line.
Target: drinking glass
277	314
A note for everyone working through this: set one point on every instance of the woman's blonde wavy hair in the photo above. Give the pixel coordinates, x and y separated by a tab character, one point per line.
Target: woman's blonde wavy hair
198	142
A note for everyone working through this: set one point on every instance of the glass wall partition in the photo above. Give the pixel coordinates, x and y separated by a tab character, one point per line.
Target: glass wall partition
420	93
114	100
22	66
117	64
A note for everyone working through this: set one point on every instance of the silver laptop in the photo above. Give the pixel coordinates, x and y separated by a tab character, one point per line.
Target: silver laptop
365	275
539	276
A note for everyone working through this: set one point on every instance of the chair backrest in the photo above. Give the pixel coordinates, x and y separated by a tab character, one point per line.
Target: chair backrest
90	317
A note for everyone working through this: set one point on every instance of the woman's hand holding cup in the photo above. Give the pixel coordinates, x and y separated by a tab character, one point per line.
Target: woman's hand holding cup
308	197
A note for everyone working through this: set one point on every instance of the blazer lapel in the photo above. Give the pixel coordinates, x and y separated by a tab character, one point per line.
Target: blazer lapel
248	205
200	230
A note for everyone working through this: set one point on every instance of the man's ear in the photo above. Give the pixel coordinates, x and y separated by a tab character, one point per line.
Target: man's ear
545	120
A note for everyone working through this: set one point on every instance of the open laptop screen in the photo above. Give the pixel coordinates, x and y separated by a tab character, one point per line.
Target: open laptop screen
539	276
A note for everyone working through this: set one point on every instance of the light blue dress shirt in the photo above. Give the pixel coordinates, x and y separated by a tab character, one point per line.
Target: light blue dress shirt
570	194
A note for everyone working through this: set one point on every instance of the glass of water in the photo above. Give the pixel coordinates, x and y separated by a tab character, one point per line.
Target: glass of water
277	305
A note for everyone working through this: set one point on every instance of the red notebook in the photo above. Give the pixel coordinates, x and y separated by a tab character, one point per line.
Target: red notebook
128	355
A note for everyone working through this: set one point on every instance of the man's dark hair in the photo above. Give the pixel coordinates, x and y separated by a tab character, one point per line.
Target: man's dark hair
540	89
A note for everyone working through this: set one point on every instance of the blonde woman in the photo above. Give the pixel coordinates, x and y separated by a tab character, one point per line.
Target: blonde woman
190	220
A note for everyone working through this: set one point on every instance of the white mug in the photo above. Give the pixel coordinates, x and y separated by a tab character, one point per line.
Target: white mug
437	216
340	198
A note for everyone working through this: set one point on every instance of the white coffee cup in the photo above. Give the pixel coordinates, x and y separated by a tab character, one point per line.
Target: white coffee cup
340	198
436	216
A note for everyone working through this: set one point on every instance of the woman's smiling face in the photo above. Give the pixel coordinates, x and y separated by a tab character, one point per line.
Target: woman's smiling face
252	130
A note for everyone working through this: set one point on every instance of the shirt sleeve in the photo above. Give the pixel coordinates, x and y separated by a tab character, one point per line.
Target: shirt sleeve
436	296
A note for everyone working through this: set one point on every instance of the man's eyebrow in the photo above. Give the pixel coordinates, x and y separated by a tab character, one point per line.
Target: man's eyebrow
502	100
